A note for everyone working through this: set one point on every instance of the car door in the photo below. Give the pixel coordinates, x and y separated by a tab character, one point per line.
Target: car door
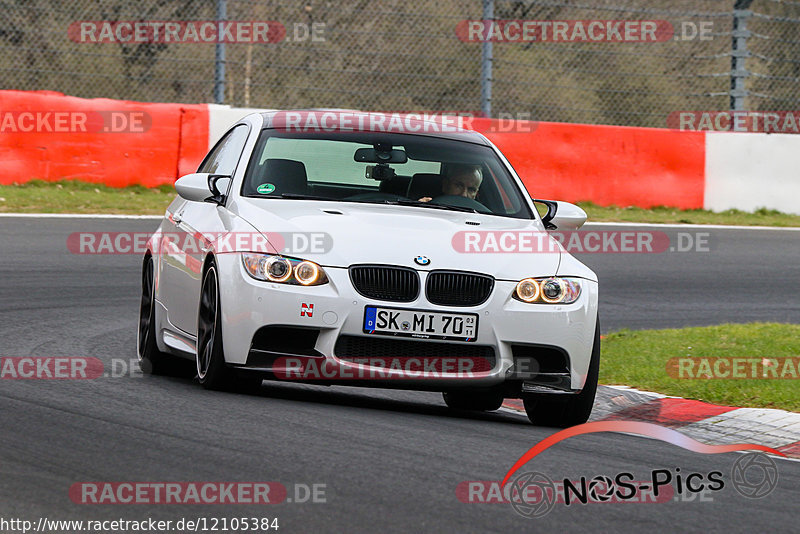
184	254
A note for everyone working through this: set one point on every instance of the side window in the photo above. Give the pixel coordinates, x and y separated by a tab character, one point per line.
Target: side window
225	155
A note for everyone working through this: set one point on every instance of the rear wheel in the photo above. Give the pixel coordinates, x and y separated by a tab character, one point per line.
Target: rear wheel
151	359
473	401
549	410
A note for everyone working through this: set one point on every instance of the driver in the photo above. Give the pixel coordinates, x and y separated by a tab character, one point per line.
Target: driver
461	180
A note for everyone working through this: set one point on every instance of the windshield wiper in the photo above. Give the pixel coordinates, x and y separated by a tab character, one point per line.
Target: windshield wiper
299	196
419	204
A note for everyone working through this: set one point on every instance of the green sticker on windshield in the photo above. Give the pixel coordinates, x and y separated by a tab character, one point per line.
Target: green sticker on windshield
265	189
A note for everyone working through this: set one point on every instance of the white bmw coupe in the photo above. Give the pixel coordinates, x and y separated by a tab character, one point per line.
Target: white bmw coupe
347	248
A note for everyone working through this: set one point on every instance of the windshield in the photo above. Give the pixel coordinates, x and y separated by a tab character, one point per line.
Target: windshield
383	168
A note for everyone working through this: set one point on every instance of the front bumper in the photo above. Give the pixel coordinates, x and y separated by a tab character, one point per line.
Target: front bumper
507	328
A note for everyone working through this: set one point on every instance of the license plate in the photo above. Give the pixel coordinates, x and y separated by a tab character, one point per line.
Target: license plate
420	324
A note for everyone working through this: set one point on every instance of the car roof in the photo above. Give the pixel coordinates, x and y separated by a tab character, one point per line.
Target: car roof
421	126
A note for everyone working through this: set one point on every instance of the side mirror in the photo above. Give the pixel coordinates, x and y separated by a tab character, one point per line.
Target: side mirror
562	215
203	187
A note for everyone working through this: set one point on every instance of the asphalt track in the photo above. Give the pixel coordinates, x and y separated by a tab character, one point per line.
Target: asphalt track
390	460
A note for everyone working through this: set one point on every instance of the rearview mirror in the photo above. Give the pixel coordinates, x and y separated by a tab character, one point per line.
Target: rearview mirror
382	155
562	215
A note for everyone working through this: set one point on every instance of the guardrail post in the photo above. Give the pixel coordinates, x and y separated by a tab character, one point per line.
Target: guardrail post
739	54
219	57
486	62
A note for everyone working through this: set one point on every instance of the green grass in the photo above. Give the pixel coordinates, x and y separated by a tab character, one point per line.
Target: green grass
662	214
639	359
80	197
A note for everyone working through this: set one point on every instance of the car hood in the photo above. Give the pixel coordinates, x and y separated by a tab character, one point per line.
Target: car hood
340	234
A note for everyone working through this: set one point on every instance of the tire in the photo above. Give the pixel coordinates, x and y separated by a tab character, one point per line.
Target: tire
473	401
544	410
212	373
151	359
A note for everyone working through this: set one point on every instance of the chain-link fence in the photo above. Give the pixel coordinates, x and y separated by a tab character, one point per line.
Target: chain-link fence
408	56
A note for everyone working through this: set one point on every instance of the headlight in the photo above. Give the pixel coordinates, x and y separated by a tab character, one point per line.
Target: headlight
283	270
277	269
528	290
551	290
306	272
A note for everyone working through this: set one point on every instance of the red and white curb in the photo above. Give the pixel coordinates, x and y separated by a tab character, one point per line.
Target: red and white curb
707	423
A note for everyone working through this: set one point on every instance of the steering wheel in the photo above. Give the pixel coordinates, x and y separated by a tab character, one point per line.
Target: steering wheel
460	202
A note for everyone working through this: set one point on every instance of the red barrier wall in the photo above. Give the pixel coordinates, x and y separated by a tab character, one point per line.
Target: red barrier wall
193	139
608	165
604	164
174	138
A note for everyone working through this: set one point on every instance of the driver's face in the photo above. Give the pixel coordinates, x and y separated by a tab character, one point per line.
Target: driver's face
462	185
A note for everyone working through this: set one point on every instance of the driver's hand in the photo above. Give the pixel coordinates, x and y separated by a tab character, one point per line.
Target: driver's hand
425	199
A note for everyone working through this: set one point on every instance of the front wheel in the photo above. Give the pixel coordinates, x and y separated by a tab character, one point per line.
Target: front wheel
543	410
211	370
